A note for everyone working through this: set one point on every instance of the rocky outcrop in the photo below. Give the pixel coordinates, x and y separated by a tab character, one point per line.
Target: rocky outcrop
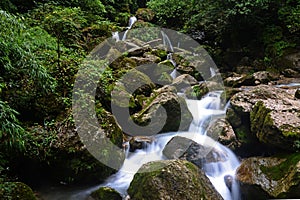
260	77
16	191
267	114
171	179
105	193
270	177
186	149
165	109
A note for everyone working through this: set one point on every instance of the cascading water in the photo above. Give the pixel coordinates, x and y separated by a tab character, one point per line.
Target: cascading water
132	20
116	36
217	172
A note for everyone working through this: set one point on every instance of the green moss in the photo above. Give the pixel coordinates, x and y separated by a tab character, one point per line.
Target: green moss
160	53
105	193
279	171
288	130
16	191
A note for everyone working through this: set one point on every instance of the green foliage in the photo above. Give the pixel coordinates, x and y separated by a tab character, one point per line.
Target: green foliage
11	133
170	13
23	78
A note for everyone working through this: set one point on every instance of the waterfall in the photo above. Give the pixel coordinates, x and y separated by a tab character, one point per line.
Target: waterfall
217	172
132	20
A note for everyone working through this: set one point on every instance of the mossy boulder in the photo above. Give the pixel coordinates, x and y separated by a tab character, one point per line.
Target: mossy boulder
171	179
199	90
270	177
105	193
16	191
165	109
268	115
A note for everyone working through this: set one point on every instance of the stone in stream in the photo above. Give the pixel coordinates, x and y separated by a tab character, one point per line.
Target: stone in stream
177	116
105	193
270	177
228	179
171	179
186	149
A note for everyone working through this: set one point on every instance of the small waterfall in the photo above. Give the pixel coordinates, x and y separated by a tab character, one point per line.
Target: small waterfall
115	35
217	172
132	20
170	48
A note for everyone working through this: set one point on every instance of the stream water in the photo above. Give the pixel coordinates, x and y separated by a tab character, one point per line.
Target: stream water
203	111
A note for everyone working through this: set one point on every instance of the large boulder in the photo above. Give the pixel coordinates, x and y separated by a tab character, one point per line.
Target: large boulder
268	114
186	149
165	108
64	158
171	179
270	177
16	191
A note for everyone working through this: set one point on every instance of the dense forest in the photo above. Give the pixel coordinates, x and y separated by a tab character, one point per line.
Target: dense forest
43	43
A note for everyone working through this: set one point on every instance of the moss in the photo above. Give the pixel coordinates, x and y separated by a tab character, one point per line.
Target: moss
16	191
288	130
105	193
160	53
279	171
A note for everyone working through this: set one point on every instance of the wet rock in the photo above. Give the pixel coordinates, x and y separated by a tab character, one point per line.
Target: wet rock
270	177
171	179
184	81
139	142
16	191
105	193
263	77
165	112
222	131
139	51
186	149
228	179
267	113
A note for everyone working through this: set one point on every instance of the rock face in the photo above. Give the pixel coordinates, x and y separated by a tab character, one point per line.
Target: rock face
16	191
171	179
222	131
105	193
267	114
186	149
271	177
176	117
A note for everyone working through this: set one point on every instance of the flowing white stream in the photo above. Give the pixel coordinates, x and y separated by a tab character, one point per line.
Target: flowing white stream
201	110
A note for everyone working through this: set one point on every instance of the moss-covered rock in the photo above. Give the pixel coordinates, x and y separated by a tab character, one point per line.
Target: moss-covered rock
172	179
201	89
105	193
268	114
165	109
16	191
271	177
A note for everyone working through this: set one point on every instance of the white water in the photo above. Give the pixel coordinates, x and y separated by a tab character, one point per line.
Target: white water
132	20
201	110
